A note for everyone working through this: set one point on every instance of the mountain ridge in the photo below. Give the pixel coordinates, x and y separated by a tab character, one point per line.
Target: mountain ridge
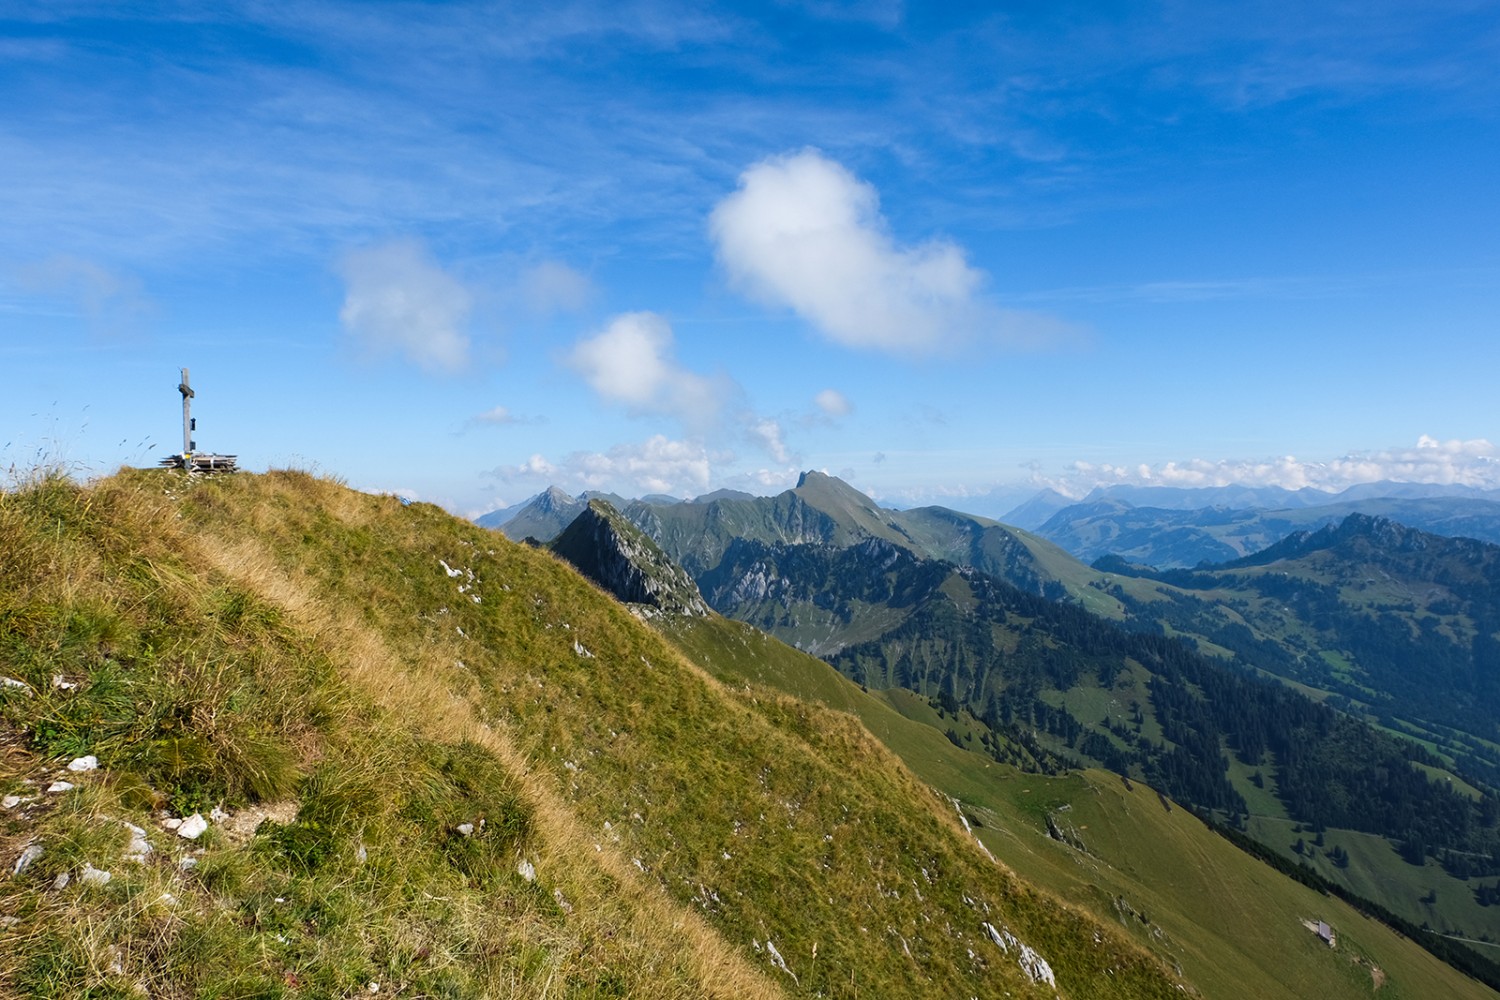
916	627
825	509
605	547
772	587
1169	539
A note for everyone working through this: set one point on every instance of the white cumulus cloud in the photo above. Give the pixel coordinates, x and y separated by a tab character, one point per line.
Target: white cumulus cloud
833	403
534	466
399	301
802	231
657	465
767	433
1474	463
631	362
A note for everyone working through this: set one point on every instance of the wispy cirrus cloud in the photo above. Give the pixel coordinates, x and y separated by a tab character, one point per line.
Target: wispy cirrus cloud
202	146
1288	53
1173	291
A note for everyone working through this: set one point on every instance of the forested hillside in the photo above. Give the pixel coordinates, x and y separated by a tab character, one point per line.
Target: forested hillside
1397	624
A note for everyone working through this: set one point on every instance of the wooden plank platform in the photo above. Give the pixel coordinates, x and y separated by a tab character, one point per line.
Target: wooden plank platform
201	462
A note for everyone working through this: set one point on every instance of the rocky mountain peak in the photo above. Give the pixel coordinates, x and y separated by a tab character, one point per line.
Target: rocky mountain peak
830	493
618	556
554	499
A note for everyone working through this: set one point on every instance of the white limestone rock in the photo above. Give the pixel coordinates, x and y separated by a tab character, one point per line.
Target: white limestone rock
30	854
193	827
94	876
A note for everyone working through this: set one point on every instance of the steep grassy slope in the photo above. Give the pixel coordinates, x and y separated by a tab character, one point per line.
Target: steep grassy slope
209	666
480	777
1233	925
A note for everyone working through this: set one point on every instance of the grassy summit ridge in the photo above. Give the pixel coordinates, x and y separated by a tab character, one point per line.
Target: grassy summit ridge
209	670
480	777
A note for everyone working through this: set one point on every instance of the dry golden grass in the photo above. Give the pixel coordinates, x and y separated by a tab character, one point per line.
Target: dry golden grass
657	924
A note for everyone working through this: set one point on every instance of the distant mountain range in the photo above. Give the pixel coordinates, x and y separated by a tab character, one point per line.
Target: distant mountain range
1161	526
1270	497
1168	539
1039	544
1040	509
1168	527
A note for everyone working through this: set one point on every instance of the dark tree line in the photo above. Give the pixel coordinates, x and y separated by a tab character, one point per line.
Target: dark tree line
1439	666
1330	769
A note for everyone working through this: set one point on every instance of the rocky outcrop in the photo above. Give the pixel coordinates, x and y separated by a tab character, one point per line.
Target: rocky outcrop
619	557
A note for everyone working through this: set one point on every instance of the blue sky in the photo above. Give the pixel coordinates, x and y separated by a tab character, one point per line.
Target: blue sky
951	252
